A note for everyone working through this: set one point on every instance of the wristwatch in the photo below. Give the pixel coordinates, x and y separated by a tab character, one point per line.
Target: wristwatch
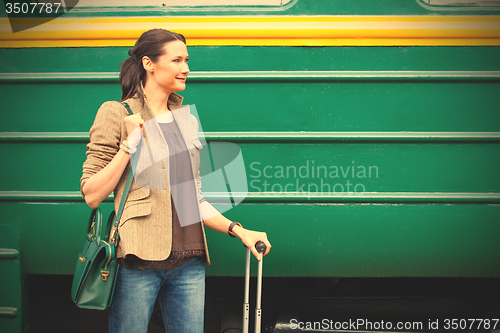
230	229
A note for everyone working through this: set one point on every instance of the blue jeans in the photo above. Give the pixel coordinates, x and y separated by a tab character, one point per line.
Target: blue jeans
181	293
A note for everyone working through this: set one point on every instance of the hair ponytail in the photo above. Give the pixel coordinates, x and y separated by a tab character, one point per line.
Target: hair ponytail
150	44
130	78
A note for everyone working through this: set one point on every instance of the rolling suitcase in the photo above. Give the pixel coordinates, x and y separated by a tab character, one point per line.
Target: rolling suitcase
261	248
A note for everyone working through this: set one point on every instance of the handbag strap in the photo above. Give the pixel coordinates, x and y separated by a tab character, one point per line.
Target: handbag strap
114	234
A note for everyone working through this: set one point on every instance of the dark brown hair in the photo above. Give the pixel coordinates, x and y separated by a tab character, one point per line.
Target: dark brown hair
150	44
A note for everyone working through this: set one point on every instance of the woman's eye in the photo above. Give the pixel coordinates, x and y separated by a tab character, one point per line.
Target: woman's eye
179	60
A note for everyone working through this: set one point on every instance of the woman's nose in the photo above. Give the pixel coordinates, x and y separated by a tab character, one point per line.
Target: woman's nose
185	69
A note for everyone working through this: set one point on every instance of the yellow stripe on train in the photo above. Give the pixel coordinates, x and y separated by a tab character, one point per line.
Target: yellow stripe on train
263	31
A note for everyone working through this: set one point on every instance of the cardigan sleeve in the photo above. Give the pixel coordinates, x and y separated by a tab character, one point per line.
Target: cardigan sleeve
105	137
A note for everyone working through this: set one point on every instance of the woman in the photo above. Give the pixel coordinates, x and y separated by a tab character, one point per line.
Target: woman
158	256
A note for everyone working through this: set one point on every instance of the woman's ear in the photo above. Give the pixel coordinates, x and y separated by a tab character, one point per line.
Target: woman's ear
148	64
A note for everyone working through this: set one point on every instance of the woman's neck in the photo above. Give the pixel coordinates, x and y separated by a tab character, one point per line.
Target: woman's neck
157	100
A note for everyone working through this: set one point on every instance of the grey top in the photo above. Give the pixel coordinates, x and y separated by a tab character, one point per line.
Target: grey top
186	231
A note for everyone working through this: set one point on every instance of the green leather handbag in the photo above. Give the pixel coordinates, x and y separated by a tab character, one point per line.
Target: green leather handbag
96	269
97	266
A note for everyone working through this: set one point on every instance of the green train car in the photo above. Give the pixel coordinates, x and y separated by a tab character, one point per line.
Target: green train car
370	131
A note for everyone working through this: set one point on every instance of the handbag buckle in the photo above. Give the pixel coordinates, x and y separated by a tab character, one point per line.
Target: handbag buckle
82	259
104	275
112	237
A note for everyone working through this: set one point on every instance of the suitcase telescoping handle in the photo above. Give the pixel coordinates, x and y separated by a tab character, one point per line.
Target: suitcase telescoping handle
261	248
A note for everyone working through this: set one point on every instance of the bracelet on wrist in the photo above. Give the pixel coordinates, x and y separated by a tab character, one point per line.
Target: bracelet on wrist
126	147
230	229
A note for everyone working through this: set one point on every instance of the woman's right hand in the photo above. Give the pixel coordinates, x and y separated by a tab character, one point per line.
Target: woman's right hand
133	124
100	185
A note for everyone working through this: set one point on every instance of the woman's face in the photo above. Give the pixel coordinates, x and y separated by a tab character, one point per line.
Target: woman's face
169	73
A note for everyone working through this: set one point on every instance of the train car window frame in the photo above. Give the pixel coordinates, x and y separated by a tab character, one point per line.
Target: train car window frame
182	3
480	4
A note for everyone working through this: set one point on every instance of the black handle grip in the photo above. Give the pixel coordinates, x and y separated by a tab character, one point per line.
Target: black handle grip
261	247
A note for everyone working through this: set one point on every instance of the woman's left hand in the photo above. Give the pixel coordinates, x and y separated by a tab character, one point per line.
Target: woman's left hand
250	238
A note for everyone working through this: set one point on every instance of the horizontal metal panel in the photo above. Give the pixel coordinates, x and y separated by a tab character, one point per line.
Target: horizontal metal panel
404	167
295	106
250	59
348	106
54	107
376	167
42	166
8	254
367	240
73	137
268	75
336	240
316	196
303	136
306	137
273	197
46	224
6	312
